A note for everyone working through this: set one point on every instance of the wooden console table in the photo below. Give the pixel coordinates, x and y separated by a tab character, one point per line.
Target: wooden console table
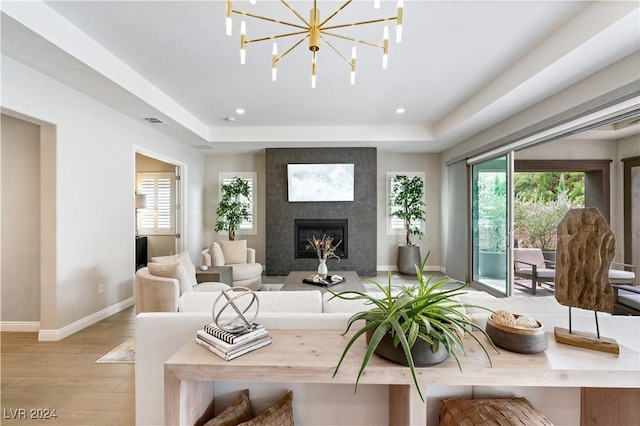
293	357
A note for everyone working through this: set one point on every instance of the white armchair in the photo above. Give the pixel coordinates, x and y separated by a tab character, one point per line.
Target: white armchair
164	280
246	272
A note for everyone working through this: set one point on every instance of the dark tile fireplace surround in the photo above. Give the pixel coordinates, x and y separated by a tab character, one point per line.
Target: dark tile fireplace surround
289	225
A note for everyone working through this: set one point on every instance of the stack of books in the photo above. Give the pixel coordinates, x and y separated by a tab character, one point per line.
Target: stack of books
231	345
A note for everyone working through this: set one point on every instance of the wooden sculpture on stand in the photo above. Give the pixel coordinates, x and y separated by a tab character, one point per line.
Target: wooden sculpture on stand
585	249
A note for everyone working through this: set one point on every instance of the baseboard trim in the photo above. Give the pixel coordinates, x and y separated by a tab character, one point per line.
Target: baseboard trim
394	268
68	330
20	326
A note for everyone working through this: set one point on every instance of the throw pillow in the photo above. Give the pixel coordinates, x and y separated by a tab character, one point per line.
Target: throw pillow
279	414
234	251
185	260
239	411
172	270
217	257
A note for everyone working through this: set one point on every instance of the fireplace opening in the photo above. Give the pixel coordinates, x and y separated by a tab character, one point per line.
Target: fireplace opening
306	229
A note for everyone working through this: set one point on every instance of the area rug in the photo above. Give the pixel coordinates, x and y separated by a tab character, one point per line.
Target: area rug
270	287
125	353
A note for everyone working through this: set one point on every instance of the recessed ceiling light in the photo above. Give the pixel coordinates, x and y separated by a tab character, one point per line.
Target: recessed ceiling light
240	111
400	111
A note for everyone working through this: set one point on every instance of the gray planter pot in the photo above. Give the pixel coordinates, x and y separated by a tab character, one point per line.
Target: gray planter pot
408	258
493	265
549	255
422	352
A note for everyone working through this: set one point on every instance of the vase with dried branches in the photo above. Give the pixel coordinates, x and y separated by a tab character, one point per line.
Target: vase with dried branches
325	249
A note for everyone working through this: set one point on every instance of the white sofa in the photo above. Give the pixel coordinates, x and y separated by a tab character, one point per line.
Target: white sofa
159	335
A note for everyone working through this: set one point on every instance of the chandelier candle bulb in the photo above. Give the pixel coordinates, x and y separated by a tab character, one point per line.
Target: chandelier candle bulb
313	71
228	22
274	59
385	48
353	65
399	21
243	37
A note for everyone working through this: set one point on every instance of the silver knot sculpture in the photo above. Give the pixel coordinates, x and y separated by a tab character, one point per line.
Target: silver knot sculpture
236	322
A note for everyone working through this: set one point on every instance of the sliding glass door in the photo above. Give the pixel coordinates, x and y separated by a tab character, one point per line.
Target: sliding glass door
491	223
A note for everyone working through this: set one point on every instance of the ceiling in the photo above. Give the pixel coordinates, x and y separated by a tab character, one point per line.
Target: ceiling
462	66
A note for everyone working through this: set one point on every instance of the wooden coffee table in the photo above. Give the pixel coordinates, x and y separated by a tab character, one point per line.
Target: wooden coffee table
294	282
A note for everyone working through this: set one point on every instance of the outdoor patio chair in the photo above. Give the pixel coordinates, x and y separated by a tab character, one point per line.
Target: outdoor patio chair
530	264
626	300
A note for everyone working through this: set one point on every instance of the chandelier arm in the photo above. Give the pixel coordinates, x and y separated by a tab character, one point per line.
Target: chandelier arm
353	24
336	50
335	13
357	40
292	47
255	40
277	21
295	12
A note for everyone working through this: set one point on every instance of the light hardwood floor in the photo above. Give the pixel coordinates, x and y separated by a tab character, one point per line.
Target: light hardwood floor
63	376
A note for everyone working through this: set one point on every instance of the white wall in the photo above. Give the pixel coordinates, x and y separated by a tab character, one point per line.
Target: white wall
430	242
92	215
20	221
215	164
629	147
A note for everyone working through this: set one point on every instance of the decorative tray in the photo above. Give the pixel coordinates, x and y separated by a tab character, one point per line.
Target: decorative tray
329	281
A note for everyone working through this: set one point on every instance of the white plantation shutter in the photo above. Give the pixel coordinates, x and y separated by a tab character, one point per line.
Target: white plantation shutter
158	216
248	226
396	225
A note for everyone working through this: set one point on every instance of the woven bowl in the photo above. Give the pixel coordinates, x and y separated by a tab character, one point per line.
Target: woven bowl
516	339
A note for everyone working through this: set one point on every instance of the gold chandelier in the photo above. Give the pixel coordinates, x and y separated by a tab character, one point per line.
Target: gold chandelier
315	30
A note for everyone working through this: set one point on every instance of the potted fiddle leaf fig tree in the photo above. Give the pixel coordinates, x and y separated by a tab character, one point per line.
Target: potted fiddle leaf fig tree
420	326
233	209
406	201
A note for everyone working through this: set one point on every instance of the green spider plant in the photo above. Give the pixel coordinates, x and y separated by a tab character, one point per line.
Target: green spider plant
427	311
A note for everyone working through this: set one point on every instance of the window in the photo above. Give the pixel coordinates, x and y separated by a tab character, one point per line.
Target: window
249	226
395	226
158	216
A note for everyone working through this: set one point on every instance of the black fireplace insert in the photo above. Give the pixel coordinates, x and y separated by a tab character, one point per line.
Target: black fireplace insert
306	229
